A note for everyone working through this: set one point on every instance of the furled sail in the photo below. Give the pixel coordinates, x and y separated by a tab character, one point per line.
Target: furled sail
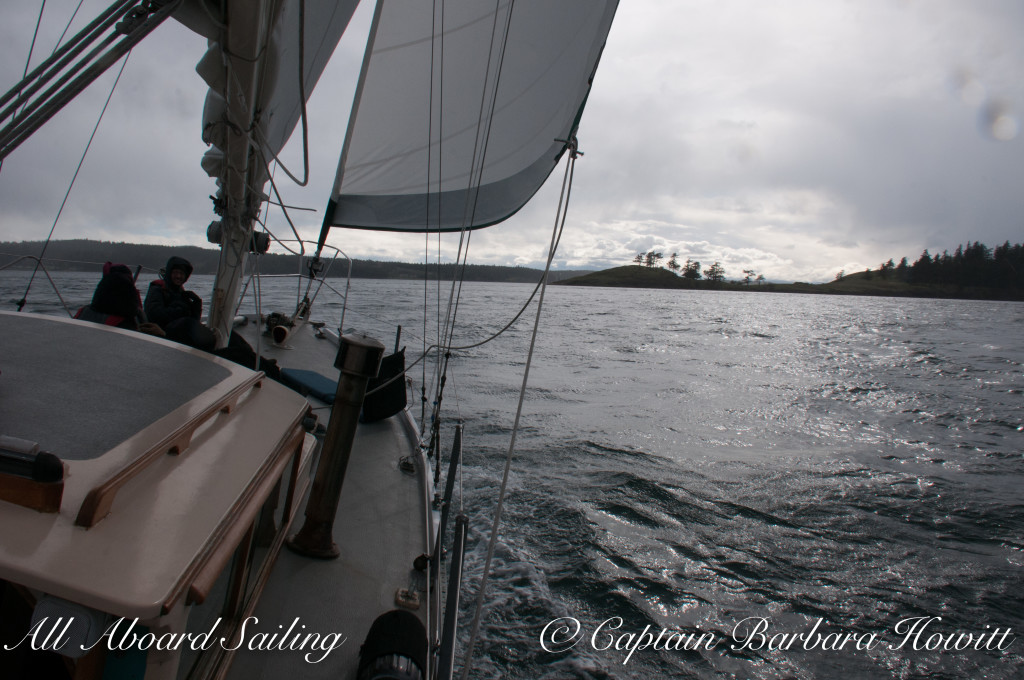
263	60
306	30
462	112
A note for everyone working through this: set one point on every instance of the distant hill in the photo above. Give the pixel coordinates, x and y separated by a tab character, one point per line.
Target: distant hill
88	255
860	283
631	276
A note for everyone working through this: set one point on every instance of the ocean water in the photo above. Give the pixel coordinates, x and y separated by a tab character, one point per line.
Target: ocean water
727	485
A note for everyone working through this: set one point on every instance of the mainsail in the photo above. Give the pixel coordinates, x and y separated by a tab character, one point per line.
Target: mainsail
461	113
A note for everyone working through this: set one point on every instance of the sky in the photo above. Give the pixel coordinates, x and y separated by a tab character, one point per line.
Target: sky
796	138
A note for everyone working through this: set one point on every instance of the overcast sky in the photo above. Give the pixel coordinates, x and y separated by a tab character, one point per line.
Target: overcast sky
796	138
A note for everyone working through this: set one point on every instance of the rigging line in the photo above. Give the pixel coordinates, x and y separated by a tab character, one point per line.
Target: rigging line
437	376
478	165
476	160
449	329
492	541
137	24
57	259
480	161
21	303
522	310
64	55
32	47
426	233
35	35
302	108
66	28
284	210
53	284
492	337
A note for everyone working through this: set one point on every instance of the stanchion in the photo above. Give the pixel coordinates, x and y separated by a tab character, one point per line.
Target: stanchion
359	358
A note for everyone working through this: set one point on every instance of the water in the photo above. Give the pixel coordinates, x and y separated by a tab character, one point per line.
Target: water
735	470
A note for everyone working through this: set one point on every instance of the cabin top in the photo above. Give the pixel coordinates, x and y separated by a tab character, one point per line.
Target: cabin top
168	453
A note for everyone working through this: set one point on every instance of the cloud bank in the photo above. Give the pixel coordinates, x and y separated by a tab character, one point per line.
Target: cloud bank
794	138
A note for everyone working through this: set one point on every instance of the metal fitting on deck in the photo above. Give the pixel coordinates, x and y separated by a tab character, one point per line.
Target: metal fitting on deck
359	358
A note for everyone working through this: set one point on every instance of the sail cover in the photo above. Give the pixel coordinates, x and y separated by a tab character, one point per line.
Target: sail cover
462	112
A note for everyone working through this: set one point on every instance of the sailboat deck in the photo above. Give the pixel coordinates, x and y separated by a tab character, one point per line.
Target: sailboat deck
381	527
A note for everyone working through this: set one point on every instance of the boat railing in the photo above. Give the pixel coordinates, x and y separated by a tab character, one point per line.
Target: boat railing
311	269
449	625
40	265
100	498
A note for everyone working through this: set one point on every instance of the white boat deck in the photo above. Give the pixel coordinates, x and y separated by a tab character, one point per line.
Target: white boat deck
164	524
101	398
381	528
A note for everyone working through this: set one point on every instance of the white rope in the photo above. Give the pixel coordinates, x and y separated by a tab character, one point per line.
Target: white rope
492	542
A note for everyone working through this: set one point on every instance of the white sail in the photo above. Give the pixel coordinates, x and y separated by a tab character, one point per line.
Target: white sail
460	115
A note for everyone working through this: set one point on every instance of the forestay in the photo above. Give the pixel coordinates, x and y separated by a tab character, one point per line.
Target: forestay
461	113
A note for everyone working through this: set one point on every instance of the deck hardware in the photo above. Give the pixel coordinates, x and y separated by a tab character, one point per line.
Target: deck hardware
359	358
407	599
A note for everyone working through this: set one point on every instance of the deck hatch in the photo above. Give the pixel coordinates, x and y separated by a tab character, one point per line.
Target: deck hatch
132	384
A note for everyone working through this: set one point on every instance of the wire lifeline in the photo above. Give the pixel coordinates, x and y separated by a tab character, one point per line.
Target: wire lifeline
49	237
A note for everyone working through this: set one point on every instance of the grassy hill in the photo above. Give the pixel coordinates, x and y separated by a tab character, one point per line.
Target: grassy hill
632	276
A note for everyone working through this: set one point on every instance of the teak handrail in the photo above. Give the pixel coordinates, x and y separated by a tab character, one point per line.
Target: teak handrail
97	502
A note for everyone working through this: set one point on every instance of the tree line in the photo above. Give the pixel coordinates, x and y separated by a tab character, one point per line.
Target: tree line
974	265
691	270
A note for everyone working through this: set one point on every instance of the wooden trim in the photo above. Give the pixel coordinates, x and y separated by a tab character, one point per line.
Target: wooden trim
100	498
219	548
235	601
289	501
41	496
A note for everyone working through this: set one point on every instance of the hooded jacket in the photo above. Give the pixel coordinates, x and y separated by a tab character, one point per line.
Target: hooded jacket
116	301
166	302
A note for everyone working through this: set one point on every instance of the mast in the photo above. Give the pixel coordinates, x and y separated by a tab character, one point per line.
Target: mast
235	67
264	60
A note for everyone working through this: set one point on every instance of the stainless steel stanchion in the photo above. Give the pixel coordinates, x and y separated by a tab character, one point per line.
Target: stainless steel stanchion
359	358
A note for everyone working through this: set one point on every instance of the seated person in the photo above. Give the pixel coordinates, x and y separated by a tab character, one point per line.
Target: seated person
177	310
116	302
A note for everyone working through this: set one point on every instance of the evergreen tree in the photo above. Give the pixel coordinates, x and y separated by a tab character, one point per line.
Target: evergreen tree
715	273
673	264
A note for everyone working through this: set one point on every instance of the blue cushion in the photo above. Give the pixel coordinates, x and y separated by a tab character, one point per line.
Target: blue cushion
310	383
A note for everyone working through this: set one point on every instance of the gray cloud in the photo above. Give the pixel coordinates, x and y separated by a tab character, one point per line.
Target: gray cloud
796	138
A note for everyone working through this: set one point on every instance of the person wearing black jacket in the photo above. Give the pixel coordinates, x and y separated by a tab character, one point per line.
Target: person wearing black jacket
116	302
175	309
